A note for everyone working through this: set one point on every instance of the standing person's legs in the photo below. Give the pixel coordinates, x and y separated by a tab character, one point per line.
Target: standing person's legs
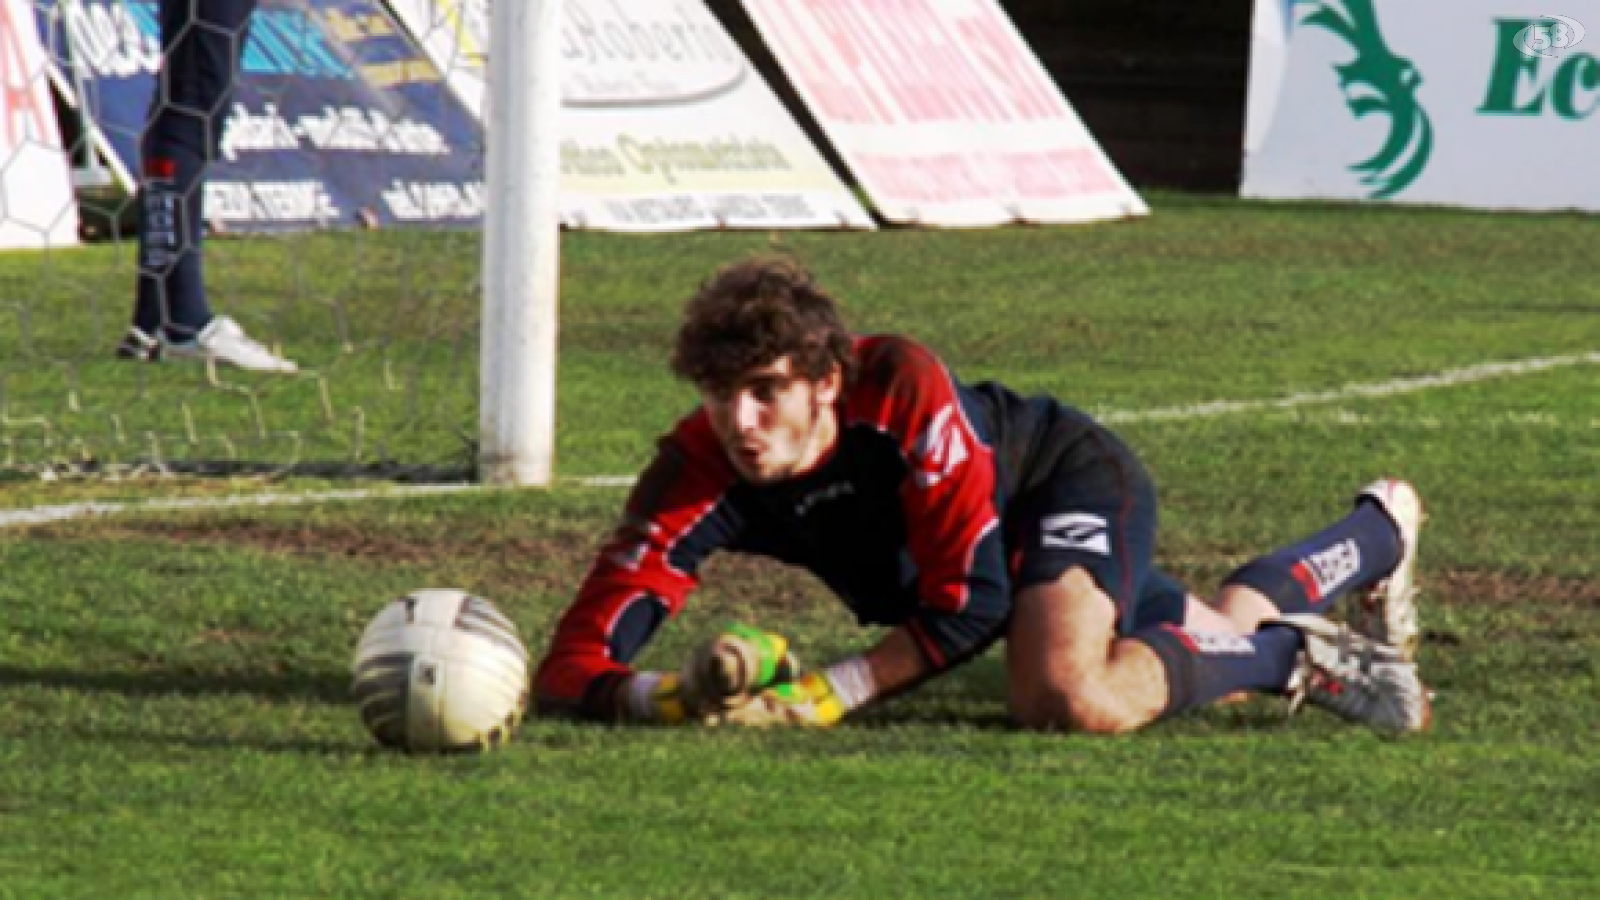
202	43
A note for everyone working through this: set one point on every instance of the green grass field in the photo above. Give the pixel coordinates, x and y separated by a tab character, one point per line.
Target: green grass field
174	713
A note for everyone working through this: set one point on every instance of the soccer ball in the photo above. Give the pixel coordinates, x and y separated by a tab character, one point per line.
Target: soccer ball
440	671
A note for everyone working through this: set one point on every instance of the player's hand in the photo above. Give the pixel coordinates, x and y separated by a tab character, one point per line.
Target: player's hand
734	666
811	701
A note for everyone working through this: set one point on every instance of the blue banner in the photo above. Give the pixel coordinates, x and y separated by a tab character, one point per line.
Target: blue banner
337	118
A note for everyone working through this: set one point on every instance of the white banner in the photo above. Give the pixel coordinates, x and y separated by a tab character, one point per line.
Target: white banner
942	111
666	126
1484	103
37	207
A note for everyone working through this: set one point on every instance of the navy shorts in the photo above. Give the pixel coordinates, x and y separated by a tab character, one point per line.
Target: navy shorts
1095	509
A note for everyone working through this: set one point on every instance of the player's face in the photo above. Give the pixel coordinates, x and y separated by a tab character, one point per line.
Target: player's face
774	424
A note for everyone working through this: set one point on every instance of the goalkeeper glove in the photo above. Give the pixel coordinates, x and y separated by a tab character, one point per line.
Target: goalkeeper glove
725	671
736	664
818	699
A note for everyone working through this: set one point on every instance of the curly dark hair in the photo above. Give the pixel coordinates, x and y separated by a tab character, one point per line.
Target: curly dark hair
755	312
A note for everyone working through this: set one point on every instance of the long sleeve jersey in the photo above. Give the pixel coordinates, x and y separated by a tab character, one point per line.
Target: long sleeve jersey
901	521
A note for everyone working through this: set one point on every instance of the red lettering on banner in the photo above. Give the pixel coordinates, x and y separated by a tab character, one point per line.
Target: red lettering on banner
953	90
836	98
852	46
1055	174
955	178
23	120
894	32
903	49
988	36
946	178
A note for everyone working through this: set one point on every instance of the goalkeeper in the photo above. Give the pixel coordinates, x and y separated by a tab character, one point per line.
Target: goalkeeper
958	515
202	43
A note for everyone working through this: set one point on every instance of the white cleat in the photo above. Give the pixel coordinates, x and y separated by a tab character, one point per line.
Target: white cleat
223	341
1388	611
1356	678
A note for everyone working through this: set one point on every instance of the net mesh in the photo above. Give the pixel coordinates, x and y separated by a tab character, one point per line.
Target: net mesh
341	232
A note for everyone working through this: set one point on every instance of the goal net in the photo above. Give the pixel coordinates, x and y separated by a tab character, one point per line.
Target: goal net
343	220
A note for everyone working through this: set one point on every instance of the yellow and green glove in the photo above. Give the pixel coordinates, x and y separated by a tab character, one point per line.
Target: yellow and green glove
739	663
811	701
724	672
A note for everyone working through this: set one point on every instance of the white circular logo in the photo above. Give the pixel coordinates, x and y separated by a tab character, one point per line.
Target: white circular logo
1549	36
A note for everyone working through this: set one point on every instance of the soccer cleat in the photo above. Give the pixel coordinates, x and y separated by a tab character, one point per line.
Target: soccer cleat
1388	611
222	341
139	346
1355	677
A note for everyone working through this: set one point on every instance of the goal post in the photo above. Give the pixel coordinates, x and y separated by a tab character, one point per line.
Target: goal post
521	246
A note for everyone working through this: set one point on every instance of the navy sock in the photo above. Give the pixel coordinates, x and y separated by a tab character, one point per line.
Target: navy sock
1309	576
171	290
1203	667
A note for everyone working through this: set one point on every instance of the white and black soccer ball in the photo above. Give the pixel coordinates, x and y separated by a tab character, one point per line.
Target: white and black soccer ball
441	670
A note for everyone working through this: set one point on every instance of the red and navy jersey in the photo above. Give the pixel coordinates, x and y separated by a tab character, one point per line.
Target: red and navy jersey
901	520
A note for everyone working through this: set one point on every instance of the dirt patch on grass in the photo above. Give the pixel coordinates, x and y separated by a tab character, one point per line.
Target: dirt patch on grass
398	548
1476	586
550	561
557	560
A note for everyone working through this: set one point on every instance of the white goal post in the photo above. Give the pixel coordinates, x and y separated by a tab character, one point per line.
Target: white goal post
521	245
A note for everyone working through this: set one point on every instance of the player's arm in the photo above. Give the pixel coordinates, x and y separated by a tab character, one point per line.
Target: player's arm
642	576
952	522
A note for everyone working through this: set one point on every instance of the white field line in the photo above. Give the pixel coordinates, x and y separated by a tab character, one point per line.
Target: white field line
40	515
1447	378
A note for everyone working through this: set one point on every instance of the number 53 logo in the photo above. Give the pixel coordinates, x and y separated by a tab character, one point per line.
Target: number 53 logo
1549	37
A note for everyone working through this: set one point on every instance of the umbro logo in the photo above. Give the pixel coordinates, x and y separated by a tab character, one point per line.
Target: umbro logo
940	449
1076	531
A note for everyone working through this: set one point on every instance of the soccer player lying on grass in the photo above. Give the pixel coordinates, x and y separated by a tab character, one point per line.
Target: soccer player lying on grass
960	515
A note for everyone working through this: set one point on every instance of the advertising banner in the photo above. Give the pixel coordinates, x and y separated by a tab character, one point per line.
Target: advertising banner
455	35
666	126
942	111
337	118
1482	103
37	208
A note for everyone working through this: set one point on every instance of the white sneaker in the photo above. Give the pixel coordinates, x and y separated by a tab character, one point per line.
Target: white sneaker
225	342
1356	678
1388	611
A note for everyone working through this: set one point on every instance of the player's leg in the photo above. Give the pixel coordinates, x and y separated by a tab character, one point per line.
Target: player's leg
201	47
1099	641
1066	668
1375	546
1069	668
1164	599
203	44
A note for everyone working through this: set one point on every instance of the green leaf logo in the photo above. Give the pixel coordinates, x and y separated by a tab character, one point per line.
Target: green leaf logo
1378	81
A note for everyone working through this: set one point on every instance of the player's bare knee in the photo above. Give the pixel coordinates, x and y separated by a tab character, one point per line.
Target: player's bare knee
1085	709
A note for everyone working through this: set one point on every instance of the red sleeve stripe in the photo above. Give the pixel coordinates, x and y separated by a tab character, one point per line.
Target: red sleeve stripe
926	643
